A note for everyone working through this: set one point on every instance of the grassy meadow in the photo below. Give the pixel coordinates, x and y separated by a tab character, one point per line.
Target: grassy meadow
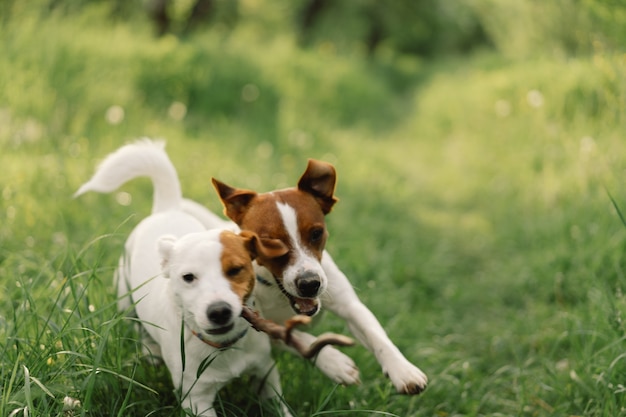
479	214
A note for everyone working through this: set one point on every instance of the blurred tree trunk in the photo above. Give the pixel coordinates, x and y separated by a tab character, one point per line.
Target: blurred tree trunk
157	9
309	16
202	11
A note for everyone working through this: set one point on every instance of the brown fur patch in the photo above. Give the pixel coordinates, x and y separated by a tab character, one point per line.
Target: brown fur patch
311	199
309	217
237	264
264	219
319	180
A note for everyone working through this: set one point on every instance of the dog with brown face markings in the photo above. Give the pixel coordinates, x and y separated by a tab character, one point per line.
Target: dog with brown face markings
306	278
186	283
299	275
286	217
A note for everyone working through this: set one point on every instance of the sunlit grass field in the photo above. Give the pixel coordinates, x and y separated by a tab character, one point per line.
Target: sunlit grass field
479	213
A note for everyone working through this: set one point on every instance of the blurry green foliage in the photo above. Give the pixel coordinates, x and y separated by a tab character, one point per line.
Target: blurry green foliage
422	27
518	28
558	27
213	83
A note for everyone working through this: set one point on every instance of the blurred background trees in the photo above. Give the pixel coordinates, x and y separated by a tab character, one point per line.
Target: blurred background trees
426	28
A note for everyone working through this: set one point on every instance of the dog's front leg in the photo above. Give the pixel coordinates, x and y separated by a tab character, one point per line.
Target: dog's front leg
196	393
271	388
343	301
198	397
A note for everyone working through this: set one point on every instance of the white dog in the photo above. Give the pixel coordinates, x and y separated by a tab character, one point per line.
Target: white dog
186	281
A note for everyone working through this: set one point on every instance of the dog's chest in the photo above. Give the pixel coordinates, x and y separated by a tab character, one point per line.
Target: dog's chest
247	355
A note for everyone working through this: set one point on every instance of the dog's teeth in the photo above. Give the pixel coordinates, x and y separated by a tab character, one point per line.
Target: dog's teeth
296	305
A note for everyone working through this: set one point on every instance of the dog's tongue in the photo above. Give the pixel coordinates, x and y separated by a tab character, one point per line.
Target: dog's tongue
306	306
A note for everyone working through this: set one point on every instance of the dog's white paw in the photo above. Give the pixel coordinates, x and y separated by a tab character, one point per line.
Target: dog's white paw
407	378
337	366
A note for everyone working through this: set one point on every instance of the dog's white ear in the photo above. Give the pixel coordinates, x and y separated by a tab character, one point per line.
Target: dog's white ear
165	245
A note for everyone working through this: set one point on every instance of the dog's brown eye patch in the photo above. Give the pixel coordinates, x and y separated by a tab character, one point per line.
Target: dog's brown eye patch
188	278
234	271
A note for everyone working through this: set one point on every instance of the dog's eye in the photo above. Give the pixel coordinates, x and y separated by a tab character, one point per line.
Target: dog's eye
189	278
316	235
234	271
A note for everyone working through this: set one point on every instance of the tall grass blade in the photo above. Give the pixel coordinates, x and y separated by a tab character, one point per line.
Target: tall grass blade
27	393
183	357
619	212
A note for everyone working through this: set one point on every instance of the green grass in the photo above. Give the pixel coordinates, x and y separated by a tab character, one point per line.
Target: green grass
475	218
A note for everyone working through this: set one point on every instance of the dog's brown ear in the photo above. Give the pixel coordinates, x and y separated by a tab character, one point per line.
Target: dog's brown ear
235	200
267	248
271	248
319	180
250	242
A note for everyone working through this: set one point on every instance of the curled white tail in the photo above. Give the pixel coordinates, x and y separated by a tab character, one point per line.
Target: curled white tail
144	158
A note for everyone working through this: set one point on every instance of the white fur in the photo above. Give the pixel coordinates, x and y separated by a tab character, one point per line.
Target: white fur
144	158
304	260
161	249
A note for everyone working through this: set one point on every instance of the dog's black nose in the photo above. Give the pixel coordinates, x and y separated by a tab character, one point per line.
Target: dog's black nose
308	285
219	313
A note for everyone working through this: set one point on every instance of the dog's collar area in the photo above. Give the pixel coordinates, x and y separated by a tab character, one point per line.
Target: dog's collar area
222	345
263	281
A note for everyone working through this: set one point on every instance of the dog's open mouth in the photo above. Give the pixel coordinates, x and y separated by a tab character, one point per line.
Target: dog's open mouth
305	306
221	330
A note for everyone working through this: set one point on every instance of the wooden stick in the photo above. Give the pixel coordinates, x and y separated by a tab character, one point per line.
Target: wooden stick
276	331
